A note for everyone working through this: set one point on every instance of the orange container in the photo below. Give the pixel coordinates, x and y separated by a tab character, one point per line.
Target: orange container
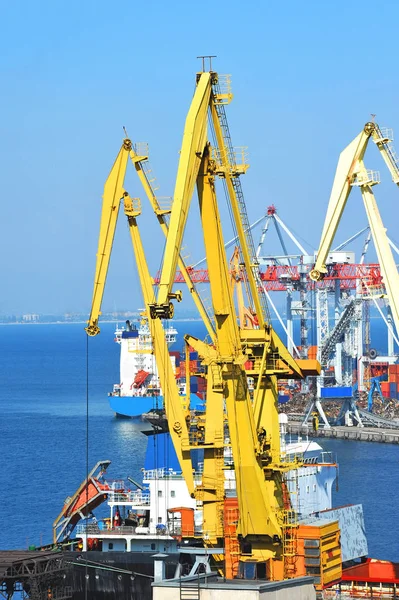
312	352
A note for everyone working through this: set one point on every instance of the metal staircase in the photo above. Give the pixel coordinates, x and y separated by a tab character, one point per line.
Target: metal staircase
383	137
290	543
189	589
141	150
289	527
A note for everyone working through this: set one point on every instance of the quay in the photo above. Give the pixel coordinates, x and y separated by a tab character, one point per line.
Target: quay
360	434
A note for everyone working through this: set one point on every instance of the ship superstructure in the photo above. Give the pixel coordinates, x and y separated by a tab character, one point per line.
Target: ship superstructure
161	507
139	390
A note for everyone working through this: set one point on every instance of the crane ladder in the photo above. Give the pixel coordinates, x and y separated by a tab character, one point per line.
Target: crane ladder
230	159
189	590
290	534
383	139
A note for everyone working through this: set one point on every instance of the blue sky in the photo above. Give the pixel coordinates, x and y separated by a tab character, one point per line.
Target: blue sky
306	77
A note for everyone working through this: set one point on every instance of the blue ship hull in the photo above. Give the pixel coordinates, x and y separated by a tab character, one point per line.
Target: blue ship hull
134	406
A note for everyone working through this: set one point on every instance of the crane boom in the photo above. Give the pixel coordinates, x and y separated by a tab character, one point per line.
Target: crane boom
160	213
258	500
351	172
389	270
348	165
113	192
172	401
194	138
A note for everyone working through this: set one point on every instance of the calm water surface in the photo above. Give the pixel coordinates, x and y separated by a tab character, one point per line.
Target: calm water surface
43	436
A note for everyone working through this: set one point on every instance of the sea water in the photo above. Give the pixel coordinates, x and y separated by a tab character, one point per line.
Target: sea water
43	424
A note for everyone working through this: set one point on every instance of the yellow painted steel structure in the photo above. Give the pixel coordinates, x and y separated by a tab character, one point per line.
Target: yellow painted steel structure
194	139
351	172
252	425
113	194
176	415
234	354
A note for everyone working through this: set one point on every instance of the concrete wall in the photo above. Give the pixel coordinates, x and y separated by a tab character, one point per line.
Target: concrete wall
283	590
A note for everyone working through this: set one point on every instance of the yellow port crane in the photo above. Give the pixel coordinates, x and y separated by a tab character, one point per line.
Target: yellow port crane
351	172
252	425
265	527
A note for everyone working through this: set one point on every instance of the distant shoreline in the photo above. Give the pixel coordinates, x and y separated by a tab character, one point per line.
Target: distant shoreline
85	322
134	318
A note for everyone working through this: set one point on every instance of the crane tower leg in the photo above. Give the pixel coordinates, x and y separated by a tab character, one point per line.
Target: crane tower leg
385	258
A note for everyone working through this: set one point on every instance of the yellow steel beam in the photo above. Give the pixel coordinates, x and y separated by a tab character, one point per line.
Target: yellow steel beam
259	500
387	153
194	139
211	489
137	163
386	260
237	217
113	192
172	401
348	165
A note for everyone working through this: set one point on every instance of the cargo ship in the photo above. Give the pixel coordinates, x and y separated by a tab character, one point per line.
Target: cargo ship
159	515
139	390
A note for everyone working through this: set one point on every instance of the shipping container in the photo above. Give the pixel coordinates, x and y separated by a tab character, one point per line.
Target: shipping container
336	392
283	398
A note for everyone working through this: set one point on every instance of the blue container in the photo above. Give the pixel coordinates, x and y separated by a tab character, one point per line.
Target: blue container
283	398
393	390
336	392
194	384
130	334
193	355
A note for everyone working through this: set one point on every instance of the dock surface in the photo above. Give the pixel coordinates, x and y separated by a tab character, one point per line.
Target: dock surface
360	434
